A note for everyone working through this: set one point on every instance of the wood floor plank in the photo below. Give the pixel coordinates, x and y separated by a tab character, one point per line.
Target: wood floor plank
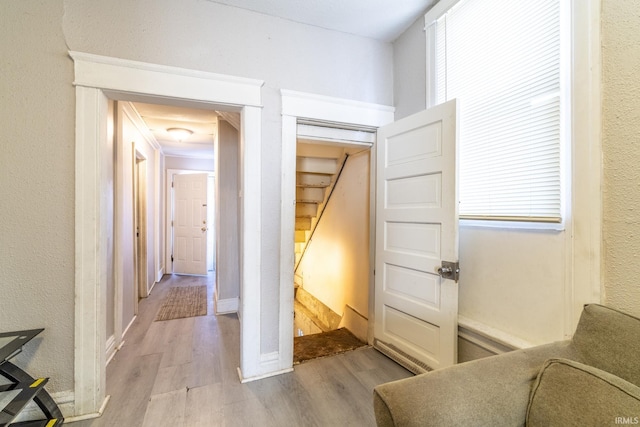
178	342
287	400
166	409
171	378
204	406
183	373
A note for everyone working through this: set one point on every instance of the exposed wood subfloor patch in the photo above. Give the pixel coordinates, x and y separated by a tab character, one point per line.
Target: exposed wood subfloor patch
330	343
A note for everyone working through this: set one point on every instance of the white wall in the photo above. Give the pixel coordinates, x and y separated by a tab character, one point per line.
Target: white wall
228	235
335	267
409	71
188	163
130	139
125	217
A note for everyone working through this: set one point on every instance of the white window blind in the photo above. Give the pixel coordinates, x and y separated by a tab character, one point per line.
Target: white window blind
501	60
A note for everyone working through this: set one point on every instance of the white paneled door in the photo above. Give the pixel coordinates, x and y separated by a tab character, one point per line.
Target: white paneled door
416	305
190	224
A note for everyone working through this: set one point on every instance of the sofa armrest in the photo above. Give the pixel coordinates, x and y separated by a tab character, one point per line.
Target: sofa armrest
493	391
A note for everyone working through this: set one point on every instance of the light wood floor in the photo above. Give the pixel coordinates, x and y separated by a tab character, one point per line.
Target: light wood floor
183	372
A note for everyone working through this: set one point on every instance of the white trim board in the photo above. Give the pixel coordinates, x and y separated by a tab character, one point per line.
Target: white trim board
490	334
97	77
226	305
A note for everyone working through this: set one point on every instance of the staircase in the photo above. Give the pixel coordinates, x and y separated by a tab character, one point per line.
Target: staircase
318	169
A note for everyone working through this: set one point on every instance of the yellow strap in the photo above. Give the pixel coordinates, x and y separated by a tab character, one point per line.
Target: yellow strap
36	383
52	422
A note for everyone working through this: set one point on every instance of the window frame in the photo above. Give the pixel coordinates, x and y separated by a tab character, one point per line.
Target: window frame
567	76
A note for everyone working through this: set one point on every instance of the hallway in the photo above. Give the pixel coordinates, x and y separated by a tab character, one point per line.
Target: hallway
183	372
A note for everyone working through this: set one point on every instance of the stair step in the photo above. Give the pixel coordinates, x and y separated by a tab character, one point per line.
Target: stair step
301	236
309	210
313	180
310	194
303	224
317	165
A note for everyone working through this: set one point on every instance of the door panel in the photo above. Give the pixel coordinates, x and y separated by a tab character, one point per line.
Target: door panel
416	310
190	224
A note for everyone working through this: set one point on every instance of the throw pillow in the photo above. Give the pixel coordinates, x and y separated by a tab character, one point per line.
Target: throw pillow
569	393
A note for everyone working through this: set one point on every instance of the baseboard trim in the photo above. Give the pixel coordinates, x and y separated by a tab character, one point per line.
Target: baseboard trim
225	306
64	399
489	338
261	377
88	416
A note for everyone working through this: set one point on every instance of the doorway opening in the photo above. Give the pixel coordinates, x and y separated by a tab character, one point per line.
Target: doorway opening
140	227
97	80
304	114
332	240
210	216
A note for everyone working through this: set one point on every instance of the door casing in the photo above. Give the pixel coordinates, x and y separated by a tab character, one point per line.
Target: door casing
332	112
97	79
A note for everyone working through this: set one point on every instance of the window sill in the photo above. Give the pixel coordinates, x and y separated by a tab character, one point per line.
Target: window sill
513	225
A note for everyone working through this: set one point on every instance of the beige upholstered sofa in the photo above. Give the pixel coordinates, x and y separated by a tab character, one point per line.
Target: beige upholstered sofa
591	380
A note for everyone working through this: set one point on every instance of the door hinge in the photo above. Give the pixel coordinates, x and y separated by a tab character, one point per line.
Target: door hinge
449	270
171	257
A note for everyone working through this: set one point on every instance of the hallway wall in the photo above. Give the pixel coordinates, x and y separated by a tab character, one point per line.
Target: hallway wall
227	285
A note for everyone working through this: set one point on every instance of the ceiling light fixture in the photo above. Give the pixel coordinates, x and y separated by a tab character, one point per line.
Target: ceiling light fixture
179	134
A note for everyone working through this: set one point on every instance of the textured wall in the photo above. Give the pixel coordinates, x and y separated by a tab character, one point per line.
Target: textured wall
37	192
621	153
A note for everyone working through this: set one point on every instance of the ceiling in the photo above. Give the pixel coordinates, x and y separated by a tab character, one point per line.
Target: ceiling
202	123
382	20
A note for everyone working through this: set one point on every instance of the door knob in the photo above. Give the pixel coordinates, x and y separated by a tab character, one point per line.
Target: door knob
444	271
449	270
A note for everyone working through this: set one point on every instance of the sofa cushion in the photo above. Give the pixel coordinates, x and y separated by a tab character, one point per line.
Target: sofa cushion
609	340
571	393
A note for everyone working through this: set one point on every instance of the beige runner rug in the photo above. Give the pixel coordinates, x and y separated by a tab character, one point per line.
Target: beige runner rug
184	301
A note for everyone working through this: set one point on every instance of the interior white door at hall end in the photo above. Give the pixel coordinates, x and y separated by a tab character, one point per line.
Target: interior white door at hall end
190	224
416	309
